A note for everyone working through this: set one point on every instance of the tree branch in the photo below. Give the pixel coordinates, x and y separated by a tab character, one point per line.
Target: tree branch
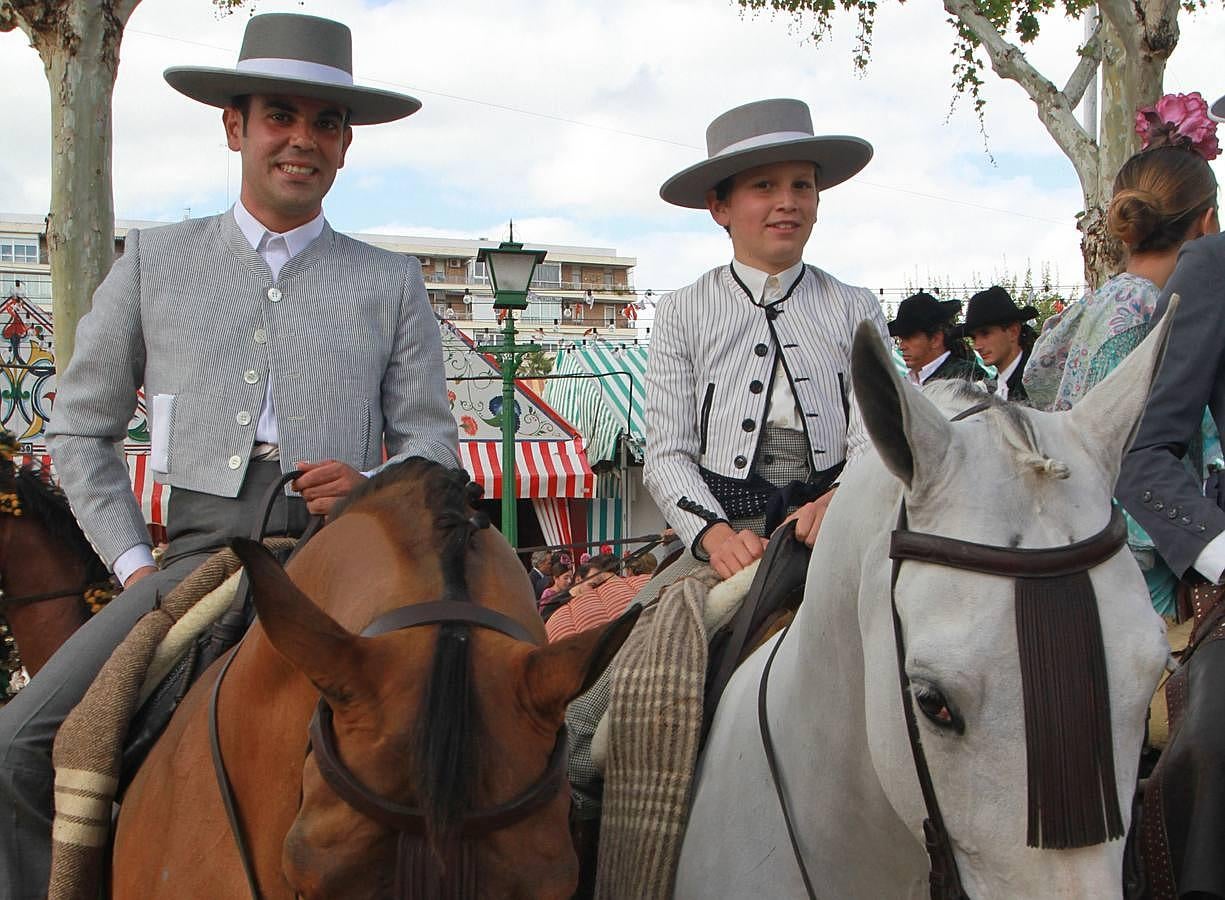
1090	59
122	10
1121	14
1054	110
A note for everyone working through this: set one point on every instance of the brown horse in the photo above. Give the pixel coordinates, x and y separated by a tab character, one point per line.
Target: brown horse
454	720
46	564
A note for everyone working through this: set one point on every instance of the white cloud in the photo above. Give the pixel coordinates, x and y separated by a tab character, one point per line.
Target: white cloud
646	76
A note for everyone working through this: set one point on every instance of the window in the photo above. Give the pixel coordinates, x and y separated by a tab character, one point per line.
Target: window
14	249
548	274
477	272
608	278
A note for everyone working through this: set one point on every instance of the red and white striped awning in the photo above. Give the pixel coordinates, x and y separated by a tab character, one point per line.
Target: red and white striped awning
544	468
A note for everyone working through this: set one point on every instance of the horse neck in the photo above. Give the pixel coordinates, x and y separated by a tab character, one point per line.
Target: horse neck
820	669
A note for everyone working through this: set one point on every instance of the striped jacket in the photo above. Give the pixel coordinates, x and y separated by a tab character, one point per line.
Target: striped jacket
711	357
191	311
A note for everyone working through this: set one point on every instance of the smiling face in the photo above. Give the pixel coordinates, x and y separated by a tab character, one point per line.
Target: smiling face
770	211
291	149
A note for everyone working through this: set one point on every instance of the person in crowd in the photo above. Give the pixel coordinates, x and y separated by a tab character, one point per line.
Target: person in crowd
1168	501
999	331
1164	196
643	564
597	596
540	573
228	324
749	413
925	332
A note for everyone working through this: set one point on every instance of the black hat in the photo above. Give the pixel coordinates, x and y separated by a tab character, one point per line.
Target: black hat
923	312
994	306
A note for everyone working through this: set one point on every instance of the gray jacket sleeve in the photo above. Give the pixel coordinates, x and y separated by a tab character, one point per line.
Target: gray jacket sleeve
417	419
95	400
1154	485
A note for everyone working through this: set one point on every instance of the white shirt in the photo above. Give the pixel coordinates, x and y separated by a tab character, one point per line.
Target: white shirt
925	372
783	411
276	250
1001	386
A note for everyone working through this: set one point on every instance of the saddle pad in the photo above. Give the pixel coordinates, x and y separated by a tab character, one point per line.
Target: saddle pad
654	727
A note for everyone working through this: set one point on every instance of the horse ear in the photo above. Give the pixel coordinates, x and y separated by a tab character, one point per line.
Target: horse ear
304	634
1108	416
907	429
558	672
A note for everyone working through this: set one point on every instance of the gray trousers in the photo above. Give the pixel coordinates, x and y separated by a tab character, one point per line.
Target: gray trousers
198	524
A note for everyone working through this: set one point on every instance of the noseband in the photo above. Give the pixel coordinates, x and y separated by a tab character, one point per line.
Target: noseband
1053	567
415	860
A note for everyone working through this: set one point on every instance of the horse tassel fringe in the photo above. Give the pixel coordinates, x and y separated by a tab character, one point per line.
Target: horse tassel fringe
1073	797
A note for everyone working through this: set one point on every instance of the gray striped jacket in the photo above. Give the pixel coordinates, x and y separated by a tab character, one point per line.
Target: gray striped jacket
711	357
192	311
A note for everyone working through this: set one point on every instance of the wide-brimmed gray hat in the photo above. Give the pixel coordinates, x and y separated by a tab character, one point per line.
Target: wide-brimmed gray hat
303	56
1217	110
760	133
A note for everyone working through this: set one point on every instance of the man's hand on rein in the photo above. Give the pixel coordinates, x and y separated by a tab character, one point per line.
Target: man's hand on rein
321	484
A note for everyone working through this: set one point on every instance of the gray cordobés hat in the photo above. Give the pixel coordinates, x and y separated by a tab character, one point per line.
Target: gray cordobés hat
302	56
760	133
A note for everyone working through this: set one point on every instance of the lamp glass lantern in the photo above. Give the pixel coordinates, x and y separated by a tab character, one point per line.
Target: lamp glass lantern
510	270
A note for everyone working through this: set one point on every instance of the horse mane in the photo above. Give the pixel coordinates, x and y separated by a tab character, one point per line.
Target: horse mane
954	395
42	501
446	737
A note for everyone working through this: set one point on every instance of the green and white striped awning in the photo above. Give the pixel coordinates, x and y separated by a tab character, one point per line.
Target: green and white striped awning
603	398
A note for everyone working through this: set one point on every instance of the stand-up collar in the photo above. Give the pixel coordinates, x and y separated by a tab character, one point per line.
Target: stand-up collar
296	240
755	279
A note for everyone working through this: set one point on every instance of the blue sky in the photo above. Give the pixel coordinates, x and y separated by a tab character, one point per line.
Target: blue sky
567	117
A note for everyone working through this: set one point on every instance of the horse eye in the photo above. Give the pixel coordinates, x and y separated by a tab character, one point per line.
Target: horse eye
932	703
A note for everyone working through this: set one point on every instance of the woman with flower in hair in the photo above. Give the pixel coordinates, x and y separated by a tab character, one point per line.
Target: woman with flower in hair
1164	196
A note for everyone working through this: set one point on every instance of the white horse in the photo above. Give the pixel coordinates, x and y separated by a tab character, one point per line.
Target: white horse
1007	477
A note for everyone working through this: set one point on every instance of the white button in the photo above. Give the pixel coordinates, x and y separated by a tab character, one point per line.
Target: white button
243	418
261	336
235	461
274	294
251	377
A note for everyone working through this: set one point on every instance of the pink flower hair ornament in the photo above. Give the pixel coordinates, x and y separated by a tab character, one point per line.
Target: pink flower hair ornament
1183	121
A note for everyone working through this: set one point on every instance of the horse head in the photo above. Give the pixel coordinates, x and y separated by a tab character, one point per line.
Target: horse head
451	730
1032	756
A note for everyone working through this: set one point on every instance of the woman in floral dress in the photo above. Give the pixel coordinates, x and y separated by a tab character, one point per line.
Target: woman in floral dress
1164	196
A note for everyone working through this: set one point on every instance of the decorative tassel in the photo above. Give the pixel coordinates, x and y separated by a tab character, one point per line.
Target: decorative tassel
1073	796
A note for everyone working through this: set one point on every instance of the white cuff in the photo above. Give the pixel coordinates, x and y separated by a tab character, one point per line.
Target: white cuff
1211	561
132	559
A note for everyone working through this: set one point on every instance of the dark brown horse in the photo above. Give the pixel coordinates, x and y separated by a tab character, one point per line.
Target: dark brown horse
46	565
455	720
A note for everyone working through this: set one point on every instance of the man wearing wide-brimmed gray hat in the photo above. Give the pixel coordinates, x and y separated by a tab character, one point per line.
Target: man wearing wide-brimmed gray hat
230	324
749	414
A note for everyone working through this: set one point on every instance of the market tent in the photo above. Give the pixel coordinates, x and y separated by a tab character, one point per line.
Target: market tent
602	395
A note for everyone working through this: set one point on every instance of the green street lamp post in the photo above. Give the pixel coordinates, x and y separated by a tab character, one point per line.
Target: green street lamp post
510	268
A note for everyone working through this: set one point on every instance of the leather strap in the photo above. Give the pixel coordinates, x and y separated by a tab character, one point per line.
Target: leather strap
763	723
438	611
223	779
411	820
1011	562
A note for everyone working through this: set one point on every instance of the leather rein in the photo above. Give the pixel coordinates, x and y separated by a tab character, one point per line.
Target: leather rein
943	876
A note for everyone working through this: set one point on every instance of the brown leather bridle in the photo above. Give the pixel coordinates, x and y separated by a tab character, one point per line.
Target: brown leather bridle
943	876
409	823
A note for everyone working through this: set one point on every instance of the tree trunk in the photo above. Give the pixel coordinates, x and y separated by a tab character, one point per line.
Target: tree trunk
78	41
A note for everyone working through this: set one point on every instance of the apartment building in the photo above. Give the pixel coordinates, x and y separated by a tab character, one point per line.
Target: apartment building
576	292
